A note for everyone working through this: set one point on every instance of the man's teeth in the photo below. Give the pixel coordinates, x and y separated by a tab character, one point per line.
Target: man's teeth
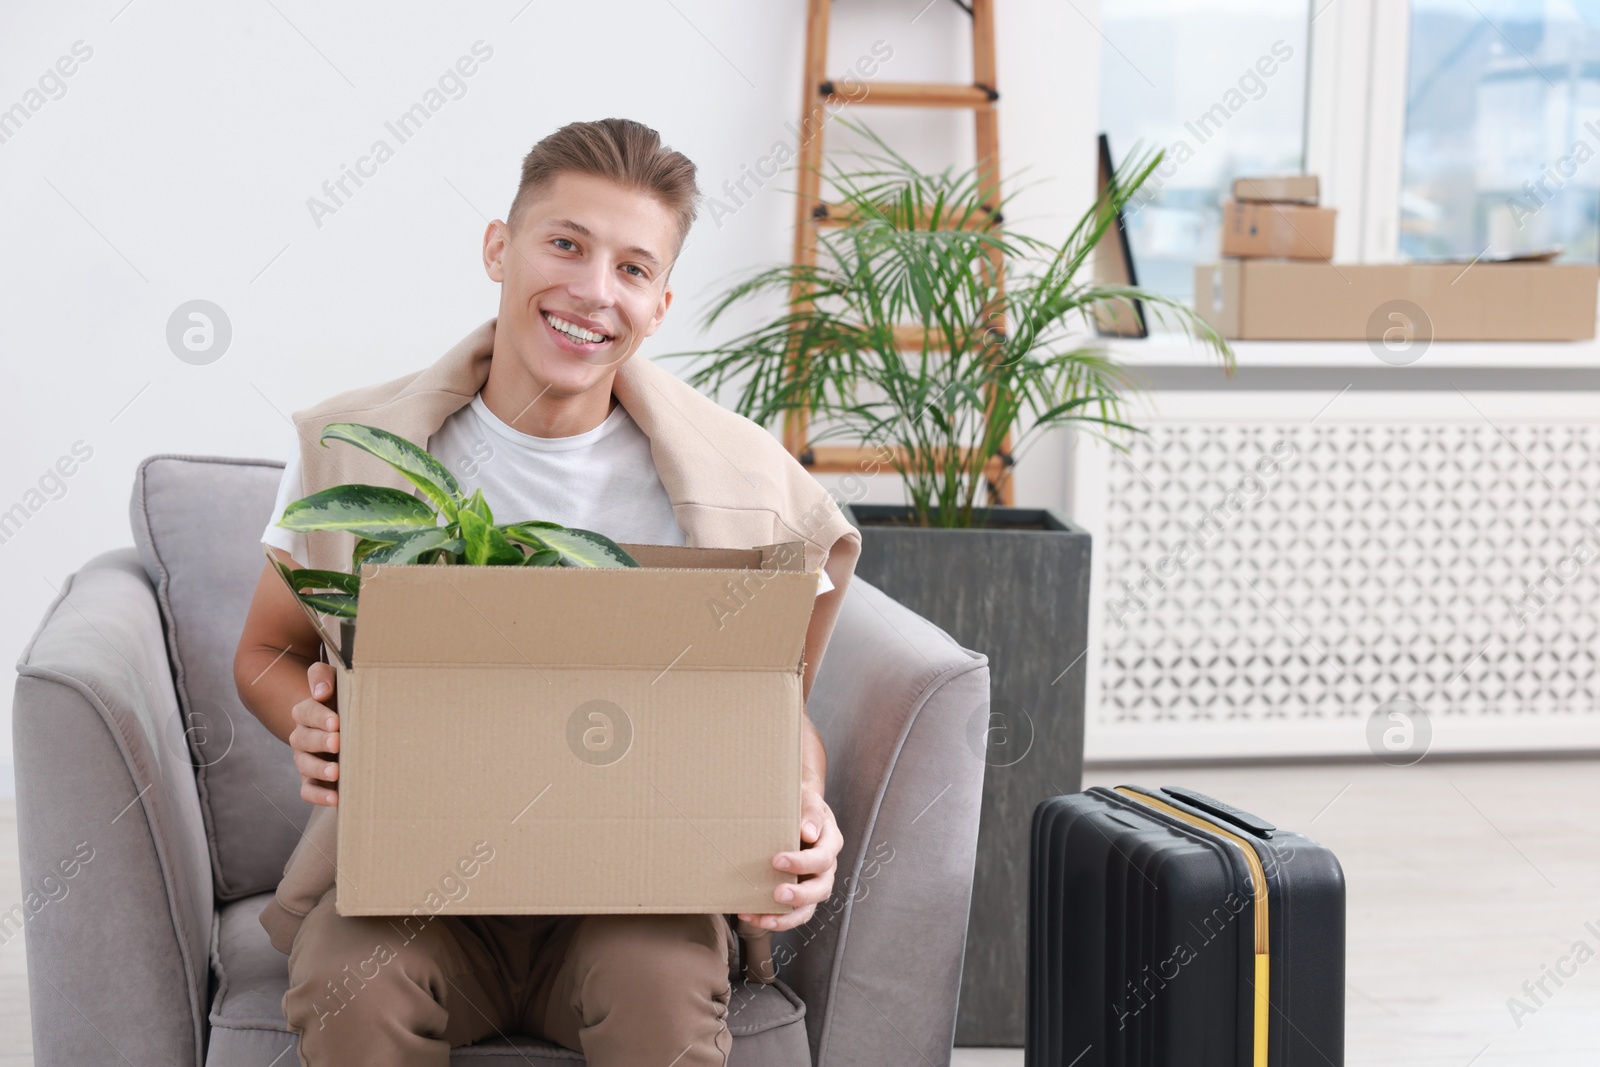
577	333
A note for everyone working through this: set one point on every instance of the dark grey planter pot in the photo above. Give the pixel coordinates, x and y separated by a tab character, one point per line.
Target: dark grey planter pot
1016	590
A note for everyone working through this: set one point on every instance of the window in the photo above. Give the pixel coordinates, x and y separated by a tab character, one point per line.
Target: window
1221	87
1502	129
1441	129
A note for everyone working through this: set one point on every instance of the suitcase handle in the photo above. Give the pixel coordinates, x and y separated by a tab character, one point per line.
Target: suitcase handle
1253	824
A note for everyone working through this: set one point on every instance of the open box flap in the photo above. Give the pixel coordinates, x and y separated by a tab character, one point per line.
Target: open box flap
786	556
687	608
321	622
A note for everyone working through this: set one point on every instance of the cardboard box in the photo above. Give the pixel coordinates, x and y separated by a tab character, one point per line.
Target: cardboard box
579	740
1278	300
1288	189
1292	231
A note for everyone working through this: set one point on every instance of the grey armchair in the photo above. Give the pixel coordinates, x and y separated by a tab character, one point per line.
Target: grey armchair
131	742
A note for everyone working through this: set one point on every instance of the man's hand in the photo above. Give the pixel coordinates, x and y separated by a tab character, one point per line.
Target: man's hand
315	739
815	863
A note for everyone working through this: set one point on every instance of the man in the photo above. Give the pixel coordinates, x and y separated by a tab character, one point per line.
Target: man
546	411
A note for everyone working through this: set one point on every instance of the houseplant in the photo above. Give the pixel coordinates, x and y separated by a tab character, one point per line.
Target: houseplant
441	526
913	345
914	261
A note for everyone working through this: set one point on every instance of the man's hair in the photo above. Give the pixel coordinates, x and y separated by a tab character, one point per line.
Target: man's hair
621	150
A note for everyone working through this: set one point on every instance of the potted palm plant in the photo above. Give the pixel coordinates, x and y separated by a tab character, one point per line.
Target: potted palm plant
903	335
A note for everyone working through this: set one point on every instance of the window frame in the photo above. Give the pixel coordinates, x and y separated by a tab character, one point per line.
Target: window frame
1356	120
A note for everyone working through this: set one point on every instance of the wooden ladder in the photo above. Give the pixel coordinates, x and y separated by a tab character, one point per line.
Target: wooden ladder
811	212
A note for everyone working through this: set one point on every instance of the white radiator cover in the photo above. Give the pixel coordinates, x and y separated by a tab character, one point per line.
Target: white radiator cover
1361	547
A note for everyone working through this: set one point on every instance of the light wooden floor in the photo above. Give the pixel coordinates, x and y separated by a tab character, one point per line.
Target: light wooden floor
1465	881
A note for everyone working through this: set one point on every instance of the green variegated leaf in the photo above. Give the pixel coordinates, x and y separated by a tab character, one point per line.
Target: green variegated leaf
364	546
305	578
450	551
485	545
578	548
414	464
411	547
369	511
479	506
521	533
544	557
475	543
340	604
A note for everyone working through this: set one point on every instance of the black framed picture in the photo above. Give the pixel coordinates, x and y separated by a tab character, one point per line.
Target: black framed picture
1113	263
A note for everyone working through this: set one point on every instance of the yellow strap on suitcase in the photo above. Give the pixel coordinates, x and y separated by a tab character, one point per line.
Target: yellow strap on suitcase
1258	890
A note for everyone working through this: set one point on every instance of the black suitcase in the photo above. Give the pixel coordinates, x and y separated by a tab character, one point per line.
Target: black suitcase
1167	929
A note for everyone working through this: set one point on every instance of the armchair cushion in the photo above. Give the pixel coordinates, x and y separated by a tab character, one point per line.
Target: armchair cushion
197	523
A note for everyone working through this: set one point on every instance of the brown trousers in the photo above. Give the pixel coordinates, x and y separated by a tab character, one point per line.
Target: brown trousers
402	991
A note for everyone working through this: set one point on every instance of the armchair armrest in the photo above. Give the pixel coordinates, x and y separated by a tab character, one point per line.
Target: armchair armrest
879	964
118	949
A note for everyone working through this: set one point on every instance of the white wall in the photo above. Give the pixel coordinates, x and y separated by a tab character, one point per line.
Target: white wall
177	161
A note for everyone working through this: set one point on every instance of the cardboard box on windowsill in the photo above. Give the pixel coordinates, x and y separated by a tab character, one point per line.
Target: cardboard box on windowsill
1292	231
1279	300
613	740
1283	189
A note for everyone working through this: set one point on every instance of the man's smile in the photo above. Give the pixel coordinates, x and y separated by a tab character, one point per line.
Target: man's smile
575	336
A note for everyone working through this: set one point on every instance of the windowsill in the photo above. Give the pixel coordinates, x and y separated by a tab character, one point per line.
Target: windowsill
1176	350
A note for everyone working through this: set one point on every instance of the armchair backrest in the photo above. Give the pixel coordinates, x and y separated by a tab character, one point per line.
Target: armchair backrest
197	522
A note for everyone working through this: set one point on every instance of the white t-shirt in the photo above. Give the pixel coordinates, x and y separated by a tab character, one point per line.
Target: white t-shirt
603	479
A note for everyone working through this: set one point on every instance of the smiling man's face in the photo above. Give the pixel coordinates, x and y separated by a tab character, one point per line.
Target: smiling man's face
583	282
